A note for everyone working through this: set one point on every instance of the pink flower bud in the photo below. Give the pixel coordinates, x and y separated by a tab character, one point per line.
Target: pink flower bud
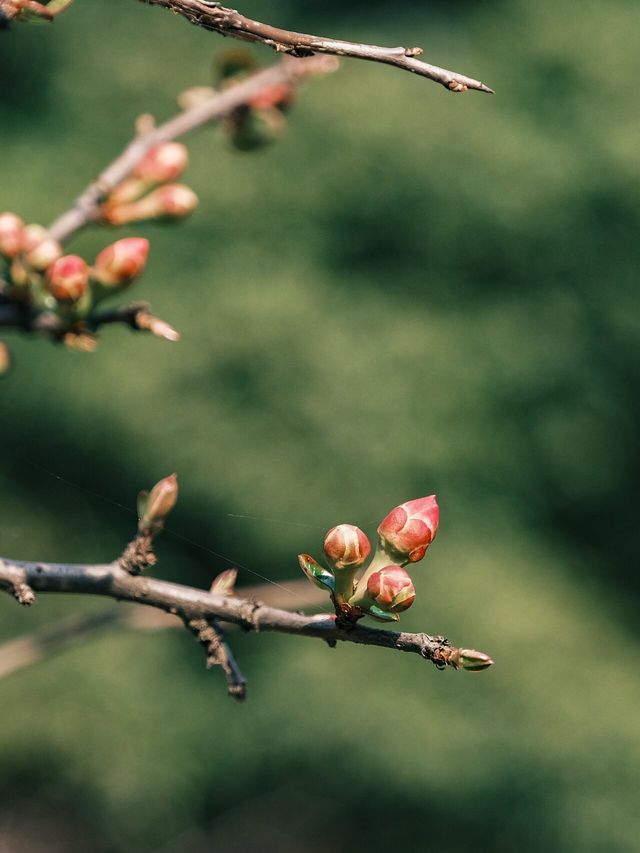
164	162
121	262
171	201
11	234
346	546
68	278
391	589
408	530
39	248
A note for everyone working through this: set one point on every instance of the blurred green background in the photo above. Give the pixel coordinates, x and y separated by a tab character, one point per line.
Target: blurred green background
412	292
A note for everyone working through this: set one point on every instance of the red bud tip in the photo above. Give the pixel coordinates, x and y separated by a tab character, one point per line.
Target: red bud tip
121	262
346	546
408	530
11	234
391	589
164	162
68	278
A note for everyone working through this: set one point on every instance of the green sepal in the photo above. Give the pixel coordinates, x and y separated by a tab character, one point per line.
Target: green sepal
381	615
316	573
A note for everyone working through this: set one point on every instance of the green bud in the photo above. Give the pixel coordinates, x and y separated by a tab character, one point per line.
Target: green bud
470	660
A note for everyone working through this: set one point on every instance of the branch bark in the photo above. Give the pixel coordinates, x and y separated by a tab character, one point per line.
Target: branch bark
229	22
23	579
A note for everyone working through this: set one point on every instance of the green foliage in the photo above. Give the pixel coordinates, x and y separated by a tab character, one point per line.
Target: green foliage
411	292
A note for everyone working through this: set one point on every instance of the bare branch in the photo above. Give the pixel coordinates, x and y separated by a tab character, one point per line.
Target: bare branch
229	22
86	208
190	604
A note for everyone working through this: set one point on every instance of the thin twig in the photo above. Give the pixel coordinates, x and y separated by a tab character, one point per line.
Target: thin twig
229	22
209	633
38	646
86	207
111	580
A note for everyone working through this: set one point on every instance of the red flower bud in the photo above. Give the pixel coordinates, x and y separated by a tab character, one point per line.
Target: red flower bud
409	529
68	278
121	262
164	162
346	546
11	234
391	589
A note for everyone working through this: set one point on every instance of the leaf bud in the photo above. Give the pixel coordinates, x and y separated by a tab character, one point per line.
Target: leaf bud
157	505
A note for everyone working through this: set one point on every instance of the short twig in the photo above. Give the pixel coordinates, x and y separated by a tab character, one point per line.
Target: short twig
229	22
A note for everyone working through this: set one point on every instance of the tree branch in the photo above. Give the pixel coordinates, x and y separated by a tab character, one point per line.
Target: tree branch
23	579
86	207
229	22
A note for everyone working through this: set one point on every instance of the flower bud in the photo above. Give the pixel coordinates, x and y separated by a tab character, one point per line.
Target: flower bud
11	234
147	322
39	248
157	505
164	162
172	201
68	278
346	546
120	263
391	589
408	530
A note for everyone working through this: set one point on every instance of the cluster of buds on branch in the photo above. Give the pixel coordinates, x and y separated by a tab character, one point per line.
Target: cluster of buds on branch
384	588
151	191
65	291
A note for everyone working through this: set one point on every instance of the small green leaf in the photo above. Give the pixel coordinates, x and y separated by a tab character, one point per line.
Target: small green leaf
316	573
382	615
143	500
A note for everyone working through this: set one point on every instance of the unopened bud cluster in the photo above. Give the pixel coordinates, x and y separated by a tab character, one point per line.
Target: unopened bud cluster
41	277
151	191
384	588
